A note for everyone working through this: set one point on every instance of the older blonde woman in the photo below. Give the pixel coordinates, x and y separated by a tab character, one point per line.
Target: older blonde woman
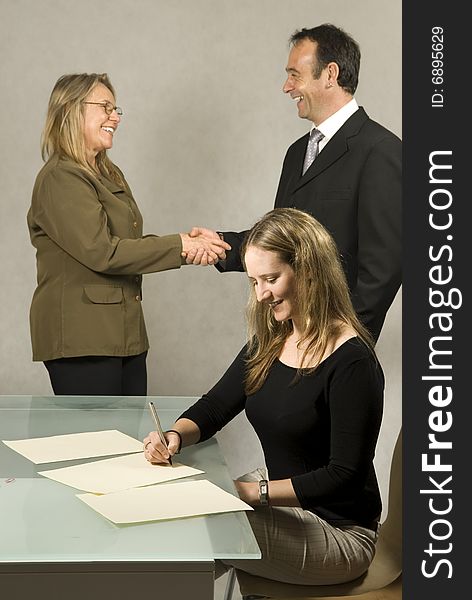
312	388
86	319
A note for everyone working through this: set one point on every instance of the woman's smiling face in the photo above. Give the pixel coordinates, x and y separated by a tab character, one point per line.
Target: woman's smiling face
273	281
99	127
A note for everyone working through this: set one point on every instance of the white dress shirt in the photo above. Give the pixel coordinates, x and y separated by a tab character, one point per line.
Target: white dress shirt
331	125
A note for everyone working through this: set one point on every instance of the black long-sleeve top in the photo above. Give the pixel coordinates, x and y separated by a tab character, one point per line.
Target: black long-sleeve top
319	431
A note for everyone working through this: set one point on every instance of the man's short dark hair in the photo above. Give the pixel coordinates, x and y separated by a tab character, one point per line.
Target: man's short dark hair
334	45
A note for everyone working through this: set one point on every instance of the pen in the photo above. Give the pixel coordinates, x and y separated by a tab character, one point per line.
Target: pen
155	416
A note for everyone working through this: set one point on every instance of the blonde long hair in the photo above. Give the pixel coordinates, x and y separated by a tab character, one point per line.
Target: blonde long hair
63	131
322	294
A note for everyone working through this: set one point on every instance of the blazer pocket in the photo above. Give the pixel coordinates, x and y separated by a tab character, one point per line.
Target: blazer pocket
104	294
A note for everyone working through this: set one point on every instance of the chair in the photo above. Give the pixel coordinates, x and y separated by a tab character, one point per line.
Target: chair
385	569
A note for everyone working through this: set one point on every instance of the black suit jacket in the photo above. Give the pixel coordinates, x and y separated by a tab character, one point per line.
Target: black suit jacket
354	189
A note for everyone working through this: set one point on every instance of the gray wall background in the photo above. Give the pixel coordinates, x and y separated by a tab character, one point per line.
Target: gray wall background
205	130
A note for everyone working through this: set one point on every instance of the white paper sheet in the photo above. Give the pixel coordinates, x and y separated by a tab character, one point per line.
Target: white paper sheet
75	445
165	501
120	473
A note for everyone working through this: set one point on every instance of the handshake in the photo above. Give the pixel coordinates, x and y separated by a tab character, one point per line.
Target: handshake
203	247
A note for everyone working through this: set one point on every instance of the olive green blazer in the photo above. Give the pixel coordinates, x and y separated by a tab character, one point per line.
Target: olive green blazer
90	255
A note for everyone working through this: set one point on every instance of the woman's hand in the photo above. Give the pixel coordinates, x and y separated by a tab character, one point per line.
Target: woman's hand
281	492
248	491
155	451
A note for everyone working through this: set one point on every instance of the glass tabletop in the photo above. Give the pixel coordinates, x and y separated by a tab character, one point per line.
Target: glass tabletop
42	521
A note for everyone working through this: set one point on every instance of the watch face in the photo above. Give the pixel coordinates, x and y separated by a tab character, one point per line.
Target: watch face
263	492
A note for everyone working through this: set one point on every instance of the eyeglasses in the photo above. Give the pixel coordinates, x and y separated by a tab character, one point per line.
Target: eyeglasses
108	106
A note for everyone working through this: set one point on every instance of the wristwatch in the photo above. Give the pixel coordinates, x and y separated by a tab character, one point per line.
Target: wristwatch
263	492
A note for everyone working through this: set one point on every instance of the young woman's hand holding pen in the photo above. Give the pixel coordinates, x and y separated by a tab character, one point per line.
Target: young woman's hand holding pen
156	452
184	433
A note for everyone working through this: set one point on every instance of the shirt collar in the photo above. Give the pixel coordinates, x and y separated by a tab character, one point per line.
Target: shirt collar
331	125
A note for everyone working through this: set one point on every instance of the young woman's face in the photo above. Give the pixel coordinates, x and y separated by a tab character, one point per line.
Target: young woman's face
273	281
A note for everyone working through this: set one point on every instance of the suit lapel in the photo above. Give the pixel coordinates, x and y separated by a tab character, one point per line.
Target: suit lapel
334	149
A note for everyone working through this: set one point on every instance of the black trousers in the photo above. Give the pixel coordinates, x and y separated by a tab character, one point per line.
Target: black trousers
99	375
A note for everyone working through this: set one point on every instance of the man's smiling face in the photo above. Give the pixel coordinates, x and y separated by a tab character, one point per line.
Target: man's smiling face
309	93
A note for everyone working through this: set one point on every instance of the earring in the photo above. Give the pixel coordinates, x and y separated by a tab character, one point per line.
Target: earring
330	84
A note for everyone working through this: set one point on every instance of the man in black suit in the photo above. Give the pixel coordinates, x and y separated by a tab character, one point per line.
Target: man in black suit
353	187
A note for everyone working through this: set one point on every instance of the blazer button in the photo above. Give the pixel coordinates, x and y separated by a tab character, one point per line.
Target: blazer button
137	298
135	224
